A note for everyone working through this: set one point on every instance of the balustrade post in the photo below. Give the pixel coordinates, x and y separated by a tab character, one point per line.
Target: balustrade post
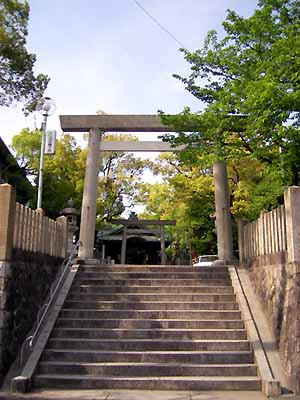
292	212
63	221
7	218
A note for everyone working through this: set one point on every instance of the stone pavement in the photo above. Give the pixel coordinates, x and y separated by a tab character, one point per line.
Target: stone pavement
137	395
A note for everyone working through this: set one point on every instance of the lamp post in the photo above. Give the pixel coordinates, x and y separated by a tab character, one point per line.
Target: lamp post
47	108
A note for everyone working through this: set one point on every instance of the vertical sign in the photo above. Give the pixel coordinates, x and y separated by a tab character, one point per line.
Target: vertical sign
50	142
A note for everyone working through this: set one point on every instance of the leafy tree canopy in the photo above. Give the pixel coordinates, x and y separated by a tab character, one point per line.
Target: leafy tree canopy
119	176
119	180
63	172
185	194
17	79
254	187
248	82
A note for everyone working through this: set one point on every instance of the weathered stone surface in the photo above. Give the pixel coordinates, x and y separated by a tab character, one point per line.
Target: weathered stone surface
7	216
278	286
24	285
223	216
3	284
89	200
20	384
113	123
291	201
4	269
140	146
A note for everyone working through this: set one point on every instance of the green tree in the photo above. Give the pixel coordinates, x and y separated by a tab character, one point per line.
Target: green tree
185	194
17	79
248	83
119	180
63	172
119	176
255	187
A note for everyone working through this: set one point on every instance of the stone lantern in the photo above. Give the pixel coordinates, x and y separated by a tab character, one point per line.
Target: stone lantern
72	215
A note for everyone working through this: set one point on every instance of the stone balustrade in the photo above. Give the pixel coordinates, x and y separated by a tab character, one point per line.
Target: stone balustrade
29	230
266	235
38	234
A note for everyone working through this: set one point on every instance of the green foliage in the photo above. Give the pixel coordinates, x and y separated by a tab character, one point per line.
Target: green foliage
17	79
26	146
249	85
186	194
63	172
119	181
64	175
254	187
119	177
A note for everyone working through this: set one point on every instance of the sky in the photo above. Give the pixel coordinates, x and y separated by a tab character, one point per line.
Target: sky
110	56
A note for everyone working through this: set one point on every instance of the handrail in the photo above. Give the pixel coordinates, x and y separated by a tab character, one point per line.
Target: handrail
53	290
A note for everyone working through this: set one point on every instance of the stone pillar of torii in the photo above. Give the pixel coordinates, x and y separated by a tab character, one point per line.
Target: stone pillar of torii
97	125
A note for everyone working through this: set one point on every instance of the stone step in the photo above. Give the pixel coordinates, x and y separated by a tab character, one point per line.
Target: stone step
151	305
131	297
90	288
149	327
108	281
148	323
147	383
152	268
149	344
152	314
184	334
197	275
145	369
180	357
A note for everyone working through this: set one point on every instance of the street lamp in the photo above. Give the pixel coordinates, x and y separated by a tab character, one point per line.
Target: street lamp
47	108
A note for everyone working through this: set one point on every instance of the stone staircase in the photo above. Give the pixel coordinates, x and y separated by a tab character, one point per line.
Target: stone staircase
149	327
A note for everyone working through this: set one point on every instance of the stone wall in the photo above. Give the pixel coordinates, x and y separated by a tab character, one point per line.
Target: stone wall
270	248
277	284
30	245
24	287
268	276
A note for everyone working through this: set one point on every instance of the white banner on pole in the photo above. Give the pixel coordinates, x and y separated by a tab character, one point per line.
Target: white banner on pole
50	142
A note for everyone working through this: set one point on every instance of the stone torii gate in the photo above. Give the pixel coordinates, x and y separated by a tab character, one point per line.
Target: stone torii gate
97	125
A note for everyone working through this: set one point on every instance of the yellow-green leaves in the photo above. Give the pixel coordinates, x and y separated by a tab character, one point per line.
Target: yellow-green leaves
248	84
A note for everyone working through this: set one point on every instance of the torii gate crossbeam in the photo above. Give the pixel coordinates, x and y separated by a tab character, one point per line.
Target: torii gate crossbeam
96	125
